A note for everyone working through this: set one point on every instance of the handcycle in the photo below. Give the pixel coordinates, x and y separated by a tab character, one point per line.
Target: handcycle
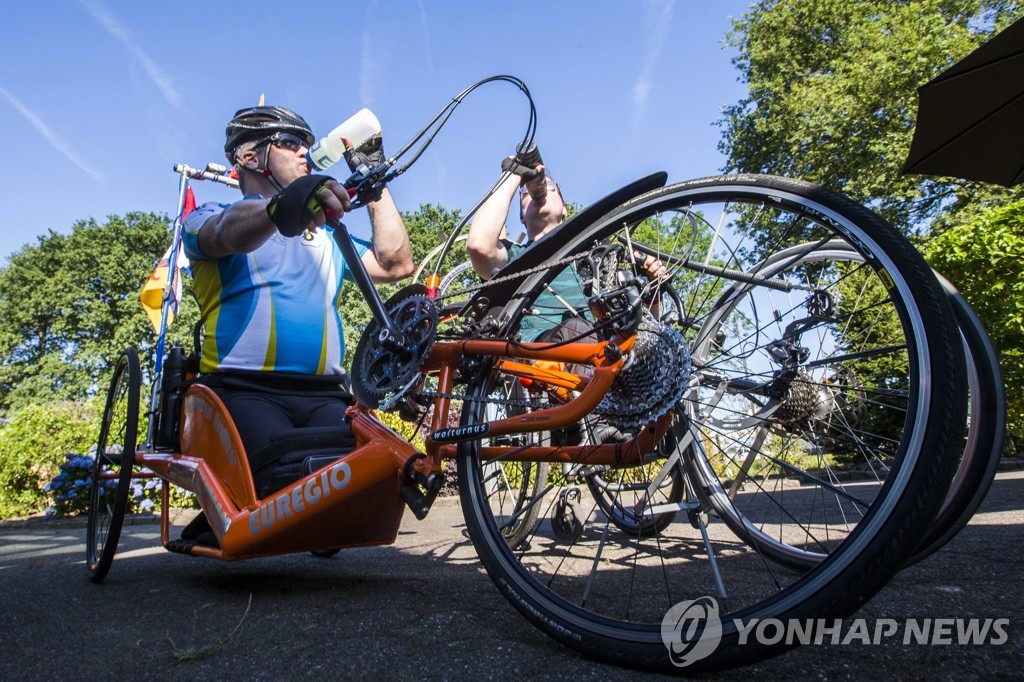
684	400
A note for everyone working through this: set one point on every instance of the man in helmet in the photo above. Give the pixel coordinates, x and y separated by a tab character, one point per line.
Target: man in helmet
269	281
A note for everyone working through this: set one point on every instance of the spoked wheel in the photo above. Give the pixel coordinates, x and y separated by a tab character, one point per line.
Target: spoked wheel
514	489
871	341
112	471
809	451
840	403
642	501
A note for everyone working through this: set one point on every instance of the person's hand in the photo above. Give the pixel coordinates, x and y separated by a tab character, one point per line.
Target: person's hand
305	203
371	153
652	267
334	200
525	173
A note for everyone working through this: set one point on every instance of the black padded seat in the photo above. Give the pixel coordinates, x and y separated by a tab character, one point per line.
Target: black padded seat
296	453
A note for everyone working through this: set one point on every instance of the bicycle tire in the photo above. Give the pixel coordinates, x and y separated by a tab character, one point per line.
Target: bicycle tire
108	505
987	429
627	632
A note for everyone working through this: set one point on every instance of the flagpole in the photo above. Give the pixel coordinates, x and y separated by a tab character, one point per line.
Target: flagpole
172	273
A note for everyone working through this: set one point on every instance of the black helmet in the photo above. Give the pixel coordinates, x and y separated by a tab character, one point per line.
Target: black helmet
258	123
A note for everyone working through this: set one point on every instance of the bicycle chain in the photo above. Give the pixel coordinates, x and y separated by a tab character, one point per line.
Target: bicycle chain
546	265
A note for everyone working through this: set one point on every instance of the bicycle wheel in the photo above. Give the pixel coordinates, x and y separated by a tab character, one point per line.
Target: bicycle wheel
819	413
641	501
985	432
840	404
112	471
631	600
513	488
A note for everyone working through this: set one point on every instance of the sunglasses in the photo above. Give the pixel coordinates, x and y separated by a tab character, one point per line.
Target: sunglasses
288	141
548	182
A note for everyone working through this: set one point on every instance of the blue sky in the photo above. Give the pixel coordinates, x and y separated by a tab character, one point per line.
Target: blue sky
100	98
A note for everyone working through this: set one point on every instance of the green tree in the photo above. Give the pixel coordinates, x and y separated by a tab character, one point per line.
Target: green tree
983	256
70	303
832	96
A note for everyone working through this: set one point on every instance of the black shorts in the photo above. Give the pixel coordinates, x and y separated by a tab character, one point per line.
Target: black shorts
266	406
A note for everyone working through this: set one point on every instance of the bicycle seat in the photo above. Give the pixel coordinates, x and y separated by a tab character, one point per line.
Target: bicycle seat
295	453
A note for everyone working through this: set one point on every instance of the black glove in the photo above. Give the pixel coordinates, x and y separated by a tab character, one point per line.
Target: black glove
292	209
525	173
371	153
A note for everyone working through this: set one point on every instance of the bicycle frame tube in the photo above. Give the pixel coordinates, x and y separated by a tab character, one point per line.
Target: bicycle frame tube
362	279
446	356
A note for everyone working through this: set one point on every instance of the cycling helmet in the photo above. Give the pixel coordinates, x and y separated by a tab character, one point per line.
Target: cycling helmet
259	123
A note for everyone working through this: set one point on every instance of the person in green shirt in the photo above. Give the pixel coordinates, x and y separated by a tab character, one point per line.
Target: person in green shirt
561	312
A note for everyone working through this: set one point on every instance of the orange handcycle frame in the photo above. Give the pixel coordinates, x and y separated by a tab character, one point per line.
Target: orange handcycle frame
355	499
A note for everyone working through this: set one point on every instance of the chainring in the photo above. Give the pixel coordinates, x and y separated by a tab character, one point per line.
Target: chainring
380	372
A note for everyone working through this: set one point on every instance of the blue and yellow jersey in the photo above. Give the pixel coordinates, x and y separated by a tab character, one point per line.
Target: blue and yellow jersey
272	310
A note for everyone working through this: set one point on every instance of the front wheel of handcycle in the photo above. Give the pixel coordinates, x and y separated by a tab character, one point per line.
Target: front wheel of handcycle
820	379
112	469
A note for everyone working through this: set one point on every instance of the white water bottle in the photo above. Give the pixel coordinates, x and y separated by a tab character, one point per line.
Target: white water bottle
330	149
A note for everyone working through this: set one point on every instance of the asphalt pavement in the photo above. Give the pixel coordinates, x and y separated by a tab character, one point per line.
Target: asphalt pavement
424	608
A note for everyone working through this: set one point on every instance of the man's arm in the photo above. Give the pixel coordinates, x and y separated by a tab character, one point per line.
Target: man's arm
241	228
486	253
245	225
390	259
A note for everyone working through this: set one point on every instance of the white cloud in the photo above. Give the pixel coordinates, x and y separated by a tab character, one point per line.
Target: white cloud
368	63
55	141
426	38
657	20
115	29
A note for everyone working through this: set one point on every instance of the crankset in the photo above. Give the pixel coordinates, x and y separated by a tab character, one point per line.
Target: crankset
382	370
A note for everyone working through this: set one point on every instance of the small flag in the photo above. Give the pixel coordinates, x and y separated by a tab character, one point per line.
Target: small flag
153	291
190	203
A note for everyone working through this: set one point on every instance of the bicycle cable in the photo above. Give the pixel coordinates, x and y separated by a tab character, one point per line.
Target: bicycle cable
381	175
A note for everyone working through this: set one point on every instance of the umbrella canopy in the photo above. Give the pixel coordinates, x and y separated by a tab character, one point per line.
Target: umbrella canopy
970	118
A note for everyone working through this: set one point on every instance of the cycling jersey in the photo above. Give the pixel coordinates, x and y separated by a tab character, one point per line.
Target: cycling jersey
562	299
274	309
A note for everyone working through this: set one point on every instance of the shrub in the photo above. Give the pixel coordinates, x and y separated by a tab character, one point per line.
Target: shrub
70	489
33	444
